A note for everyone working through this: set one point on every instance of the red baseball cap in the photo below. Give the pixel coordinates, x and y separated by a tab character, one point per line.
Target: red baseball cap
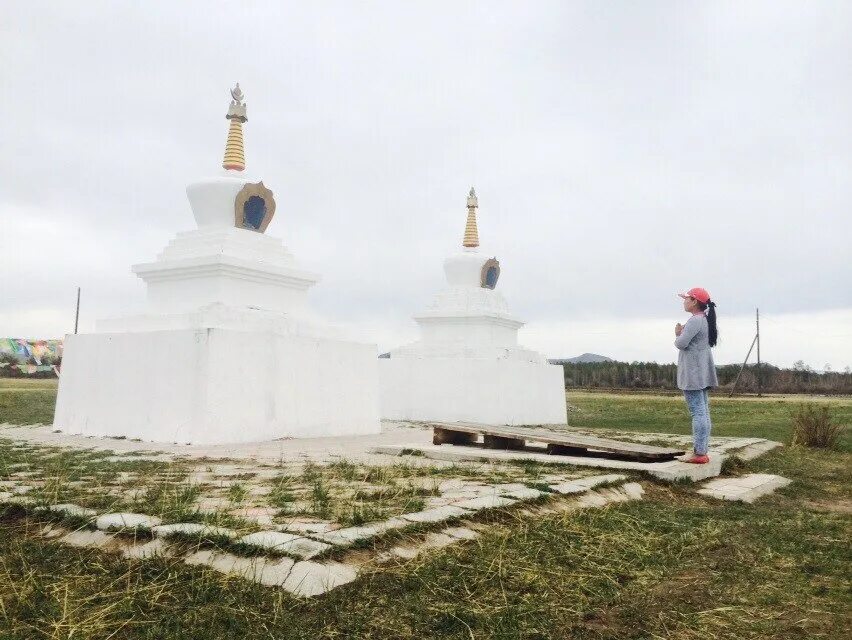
698	293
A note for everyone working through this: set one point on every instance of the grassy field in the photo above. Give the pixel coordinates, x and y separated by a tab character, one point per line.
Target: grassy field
676	565
24	401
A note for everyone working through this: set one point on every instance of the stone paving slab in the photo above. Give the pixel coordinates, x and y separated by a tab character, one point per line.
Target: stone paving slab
668	471
87	538
156	548
271	573
269	539
192	529
438	514
281	542
309	578
755	450
272	452
350	535
580	485
113	521
462	533
746	488
525	493
485	502
72	510
309	527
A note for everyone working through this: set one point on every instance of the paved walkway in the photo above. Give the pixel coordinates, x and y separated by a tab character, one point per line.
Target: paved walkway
320	450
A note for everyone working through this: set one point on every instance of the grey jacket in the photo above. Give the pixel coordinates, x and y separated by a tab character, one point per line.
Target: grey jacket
695	368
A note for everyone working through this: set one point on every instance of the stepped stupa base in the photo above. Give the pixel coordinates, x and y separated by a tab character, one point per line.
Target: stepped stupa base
490	391
201	379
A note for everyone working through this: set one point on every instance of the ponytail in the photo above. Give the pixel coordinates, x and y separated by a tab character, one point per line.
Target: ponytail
712	330
710	312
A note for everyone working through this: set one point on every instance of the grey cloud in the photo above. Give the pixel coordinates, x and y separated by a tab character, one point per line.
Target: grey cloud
621	151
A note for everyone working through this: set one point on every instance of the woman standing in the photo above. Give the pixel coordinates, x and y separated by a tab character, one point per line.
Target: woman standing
696	373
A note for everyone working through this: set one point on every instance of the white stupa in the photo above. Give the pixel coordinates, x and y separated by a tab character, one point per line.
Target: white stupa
229	350
468	366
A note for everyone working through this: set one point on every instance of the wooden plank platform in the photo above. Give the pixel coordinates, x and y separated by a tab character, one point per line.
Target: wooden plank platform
558	443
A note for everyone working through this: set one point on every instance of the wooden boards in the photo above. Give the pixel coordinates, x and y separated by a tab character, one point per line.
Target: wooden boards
501	437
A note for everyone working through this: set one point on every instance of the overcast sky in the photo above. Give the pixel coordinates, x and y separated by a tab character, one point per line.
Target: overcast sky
622	152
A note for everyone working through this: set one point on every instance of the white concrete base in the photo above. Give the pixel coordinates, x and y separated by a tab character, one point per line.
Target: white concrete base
208	385
462	389
669	471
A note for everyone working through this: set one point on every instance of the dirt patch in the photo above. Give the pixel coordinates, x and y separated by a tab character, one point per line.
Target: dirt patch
834	506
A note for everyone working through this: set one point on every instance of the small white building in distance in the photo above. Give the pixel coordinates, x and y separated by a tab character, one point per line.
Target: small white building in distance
468	366
229	350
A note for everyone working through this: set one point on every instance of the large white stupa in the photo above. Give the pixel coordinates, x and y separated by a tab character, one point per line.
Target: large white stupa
468	366
229	350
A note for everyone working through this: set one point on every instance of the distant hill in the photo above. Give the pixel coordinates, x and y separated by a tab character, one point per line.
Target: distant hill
586	357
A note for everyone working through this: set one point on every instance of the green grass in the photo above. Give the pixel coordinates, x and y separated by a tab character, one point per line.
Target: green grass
818	474
676	565
24	401
670	567
769	417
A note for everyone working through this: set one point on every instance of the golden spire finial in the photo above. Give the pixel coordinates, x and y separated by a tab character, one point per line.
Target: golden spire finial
235	159
471	235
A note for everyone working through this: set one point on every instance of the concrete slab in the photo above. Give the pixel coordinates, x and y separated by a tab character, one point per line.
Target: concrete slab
525	493
309	527
755	450
156	548
438	541
668	471
485	502
581	485
115	521
72	510
746	488
194	529
271	573
462	533
87	538
438	514
350	535
308	579
404	552
273	452
281	542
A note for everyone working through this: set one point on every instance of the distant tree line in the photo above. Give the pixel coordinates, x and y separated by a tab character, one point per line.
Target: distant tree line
652	375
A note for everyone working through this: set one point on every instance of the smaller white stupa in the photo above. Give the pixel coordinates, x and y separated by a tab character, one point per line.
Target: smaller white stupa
228	350
468	366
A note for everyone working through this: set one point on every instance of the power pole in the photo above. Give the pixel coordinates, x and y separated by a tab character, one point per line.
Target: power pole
77	315
757	323
755	341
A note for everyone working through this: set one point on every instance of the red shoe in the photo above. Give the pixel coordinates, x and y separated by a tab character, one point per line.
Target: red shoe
697	459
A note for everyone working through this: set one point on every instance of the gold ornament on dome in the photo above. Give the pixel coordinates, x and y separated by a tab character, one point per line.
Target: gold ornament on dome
471	234
254	207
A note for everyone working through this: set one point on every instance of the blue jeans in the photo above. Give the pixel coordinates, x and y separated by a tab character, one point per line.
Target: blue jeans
699	407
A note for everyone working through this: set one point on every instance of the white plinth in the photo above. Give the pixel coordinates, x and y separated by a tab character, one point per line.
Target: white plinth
216	385
491	391
468	365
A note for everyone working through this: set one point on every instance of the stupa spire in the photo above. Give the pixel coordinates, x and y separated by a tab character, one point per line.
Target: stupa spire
471	234
235	159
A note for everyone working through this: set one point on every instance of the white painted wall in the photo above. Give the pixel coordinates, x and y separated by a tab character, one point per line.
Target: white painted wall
492	391
211	386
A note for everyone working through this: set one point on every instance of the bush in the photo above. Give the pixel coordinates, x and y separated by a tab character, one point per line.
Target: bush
813	426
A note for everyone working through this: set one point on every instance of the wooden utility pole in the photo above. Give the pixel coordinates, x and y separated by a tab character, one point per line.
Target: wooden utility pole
756	341
77	315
